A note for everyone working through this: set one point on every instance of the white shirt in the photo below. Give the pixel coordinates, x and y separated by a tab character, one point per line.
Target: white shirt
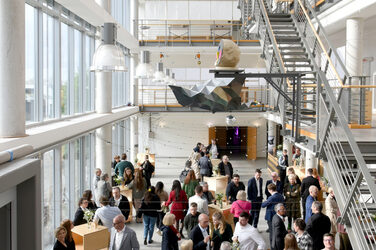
205	233
214	151
258	187
202	204
106	214
118	238
117	201
249	238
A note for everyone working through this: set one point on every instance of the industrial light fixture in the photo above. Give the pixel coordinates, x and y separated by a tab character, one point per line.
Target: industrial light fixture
108	57
230	120
159	75
172	81
144	70
167	78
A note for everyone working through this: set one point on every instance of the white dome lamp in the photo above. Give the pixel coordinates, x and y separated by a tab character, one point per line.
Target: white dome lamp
230	120
108	57
159	75
144	70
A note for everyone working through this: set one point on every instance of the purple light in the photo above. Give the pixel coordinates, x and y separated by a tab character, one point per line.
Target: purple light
236	131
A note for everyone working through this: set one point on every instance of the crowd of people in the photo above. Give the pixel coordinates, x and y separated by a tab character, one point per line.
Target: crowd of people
186	207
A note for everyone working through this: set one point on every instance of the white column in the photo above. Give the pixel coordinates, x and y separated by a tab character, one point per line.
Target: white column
354	46
288	146
134	138
12	68
103	104
310	161
133	80
271	136
134	18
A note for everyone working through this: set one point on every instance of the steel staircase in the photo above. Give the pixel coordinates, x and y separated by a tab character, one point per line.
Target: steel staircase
292	42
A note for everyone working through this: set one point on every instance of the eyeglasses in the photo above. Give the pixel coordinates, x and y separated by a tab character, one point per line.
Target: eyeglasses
114	224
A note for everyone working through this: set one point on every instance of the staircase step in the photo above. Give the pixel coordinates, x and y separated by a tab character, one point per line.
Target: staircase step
296	60
288	39
293	53
282	24
280	19
286	32
278	15
298	66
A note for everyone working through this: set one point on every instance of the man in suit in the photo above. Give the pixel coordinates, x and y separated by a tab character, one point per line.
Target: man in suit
233	188
254	192
120	201
304	189
225	168
313	193
276	182
122	237
283	164
318	225
278	228
270	203
200	233
148	170
79	215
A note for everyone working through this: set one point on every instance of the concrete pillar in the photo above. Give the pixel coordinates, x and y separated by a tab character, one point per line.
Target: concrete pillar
310	160
271	136
12	68
134	138
288	145
354	46
134	18
103	104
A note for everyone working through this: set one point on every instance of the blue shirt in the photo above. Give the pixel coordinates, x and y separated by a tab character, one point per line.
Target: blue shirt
308	206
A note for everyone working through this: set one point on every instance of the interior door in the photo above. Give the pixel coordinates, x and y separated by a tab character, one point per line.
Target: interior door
8	220
251	143
211	134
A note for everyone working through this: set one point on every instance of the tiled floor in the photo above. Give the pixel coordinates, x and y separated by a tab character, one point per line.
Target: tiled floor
168	169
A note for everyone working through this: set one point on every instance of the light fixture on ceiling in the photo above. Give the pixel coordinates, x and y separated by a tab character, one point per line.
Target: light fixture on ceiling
167	78
108	57
144	70
172	81
230	120
159	75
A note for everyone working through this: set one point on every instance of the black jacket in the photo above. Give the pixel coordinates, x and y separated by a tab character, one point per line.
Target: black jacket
79	217
123	205
148	169
279	233
169	239
151	209
252	191
306	183
318	225
221	167
232	190
218	238
298	181
197	238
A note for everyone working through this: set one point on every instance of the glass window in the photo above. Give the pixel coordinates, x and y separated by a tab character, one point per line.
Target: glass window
89	76
77	172
64	171
48	199
64	70
77	72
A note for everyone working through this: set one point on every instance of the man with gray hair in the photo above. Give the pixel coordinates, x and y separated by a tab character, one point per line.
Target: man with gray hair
225	246
122	237
278	227
313	193
318	225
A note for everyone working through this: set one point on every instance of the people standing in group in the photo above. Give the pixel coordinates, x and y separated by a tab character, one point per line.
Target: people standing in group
304	188
138	186
207	195
68	225
105	213
128	176
122	165
283	164
60	243
104	186
247	236
331	210
120	201
191	219
150	206
313	193
240	205
278	227
202	204
190	183
79	215
222	231
206	168
225	168
274	199
171	235
292	202
276	182
148	169
318	225
163	196
255	195
213	149
233	188
179	202
303	238
87	194
200	234
290	242
122	237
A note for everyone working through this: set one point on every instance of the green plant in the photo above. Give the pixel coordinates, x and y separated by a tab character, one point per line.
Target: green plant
88	215
219	198
118	180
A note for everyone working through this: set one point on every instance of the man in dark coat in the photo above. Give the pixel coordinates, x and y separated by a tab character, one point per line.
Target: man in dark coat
120	201
233	188
318	225
206	168
276	182
254	193
283	164
225	168
278	228
148	170
200	234
304	189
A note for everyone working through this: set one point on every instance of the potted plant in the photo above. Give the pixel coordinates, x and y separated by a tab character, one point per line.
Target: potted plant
219	199
88	216
118	180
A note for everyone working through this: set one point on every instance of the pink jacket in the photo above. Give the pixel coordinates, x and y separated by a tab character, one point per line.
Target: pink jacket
240	206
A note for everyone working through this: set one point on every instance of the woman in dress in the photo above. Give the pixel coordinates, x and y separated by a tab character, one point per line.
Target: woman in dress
138	186
240	205
170	234
292	199
190	184
68	225
221	231
163	196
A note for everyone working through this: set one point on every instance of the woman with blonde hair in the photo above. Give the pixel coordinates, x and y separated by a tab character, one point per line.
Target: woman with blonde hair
331	210
68	225
138	186
170	234
240	205
190	183
221	231
128	176
186	245
60	243
290	242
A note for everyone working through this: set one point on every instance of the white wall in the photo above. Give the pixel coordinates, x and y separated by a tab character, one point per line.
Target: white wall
175	134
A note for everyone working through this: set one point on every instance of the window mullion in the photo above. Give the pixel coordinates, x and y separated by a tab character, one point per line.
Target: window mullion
57	67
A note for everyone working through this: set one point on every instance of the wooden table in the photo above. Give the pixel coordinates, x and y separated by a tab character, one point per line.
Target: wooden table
91	239
127	193
218	184
229	217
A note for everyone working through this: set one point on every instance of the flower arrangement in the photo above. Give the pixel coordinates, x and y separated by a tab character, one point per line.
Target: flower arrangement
88	216
219	199
118	180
